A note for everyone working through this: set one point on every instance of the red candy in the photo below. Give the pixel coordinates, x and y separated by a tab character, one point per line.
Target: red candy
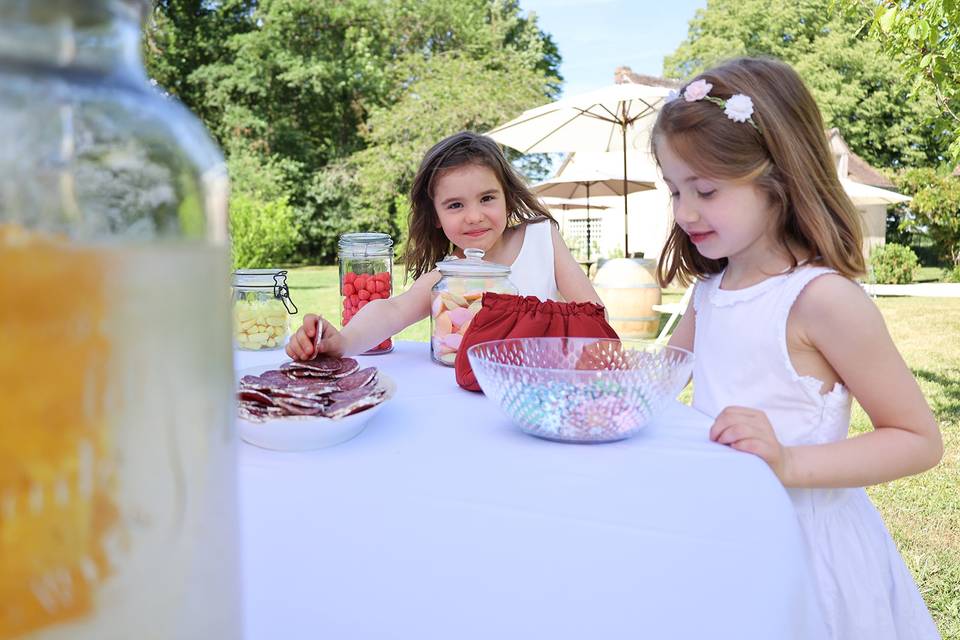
359	289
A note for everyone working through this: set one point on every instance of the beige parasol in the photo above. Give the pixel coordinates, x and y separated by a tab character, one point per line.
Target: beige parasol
582	183
615	118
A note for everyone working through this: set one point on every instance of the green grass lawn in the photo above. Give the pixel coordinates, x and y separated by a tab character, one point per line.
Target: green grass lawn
929	274
922	512
317	290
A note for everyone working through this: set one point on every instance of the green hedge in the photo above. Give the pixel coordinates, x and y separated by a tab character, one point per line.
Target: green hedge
894	264
952	275
263	233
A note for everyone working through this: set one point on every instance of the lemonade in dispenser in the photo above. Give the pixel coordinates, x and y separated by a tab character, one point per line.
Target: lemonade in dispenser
118	514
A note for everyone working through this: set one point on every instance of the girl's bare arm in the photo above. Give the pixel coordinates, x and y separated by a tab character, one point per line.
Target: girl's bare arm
377	321
844	325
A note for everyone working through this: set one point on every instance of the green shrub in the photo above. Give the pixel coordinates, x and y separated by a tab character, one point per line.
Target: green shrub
263	178
952	275
894	264
263	233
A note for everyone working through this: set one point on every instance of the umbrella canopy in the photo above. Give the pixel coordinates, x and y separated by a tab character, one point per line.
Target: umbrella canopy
615	118
863	194
568	204
583	183
580	183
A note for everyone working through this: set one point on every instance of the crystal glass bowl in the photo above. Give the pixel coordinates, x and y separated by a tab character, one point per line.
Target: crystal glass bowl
580	389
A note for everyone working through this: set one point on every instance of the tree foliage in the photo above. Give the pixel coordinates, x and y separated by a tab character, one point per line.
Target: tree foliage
925	37
452	92
935	208
262	232
862	92
186	35
337	101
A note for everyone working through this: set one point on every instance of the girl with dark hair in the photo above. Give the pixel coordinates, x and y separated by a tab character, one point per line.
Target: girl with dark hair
466	195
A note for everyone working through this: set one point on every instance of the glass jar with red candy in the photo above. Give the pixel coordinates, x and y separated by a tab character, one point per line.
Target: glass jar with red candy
366	274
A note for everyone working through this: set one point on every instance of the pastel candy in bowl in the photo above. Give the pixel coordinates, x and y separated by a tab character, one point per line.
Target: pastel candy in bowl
580	389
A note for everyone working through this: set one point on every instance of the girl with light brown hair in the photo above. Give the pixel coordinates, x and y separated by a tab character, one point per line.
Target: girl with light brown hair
783	335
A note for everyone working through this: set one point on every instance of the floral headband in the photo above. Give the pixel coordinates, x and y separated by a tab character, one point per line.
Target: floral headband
738	108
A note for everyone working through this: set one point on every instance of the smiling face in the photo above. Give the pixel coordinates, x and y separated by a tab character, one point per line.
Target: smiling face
471	207
722	218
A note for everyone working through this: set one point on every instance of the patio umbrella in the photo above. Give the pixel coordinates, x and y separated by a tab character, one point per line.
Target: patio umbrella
864	194
615	118
578	183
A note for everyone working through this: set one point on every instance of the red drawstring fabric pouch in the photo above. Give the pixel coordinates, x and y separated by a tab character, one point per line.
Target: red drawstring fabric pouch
506	316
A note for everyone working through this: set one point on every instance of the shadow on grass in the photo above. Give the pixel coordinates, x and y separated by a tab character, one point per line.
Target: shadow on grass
948	400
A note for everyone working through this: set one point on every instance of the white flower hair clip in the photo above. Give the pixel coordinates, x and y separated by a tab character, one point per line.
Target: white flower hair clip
738	107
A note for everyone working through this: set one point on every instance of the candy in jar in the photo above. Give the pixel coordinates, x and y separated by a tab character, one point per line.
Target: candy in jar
456	299
261	307
366	274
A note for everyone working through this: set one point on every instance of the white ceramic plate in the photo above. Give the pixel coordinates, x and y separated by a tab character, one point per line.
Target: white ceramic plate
306	433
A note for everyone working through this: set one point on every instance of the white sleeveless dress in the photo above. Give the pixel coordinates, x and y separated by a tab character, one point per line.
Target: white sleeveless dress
532	272
865	590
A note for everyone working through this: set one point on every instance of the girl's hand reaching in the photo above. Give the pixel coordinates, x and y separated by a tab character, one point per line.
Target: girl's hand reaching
316	336
750	430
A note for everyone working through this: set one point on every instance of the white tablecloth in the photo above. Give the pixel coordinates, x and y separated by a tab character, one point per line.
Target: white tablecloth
443	521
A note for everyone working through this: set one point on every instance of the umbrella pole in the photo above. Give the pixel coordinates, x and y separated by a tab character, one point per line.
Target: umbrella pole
626	218
588	222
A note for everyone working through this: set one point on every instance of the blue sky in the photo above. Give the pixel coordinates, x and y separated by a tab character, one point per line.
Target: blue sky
597	36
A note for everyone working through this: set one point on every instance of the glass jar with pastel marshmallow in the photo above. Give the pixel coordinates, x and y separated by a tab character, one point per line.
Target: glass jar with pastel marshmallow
456	299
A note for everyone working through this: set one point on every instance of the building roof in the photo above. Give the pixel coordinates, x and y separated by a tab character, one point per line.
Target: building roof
857	169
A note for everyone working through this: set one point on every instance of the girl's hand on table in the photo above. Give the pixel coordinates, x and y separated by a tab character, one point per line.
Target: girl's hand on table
316	336
749	430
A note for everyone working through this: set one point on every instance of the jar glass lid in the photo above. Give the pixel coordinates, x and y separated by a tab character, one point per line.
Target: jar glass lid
258	277
266	279
358	245
472	265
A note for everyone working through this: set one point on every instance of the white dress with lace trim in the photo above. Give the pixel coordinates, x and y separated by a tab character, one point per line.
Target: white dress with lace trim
865	589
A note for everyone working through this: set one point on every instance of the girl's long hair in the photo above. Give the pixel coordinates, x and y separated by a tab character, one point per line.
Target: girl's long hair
787	156
426	243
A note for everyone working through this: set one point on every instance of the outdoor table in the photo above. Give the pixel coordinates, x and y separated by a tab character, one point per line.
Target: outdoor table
442	520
